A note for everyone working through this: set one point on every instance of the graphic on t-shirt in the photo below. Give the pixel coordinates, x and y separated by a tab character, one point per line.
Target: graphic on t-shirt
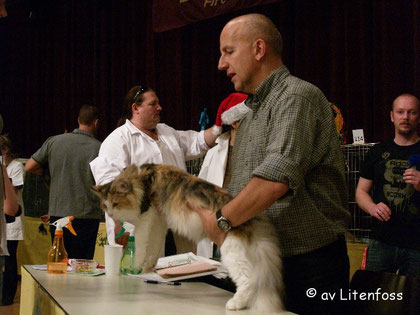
396	191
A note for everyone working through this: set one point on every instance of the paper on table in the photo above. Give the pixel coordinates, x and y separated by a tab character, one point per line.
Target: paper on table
164	260
175	260
186	269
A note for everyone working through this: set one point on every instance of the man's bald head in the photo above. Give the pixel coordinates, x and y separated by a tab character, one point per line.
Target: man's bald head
257	26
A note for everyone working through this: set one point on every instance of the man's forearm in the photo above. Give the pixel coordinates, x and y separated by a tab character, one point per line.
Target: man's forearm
364	200
257	196
33	166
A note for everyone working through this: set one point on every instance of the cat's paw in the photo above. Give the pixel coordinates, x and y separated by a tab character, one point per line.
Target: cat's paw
235	304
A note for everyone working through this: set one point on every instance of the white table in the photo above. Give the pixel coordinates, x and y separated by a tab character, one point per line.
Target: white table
44	293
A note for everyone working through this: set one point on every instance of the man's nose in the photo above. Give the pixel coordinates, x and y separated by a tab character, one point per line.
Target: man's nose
222	64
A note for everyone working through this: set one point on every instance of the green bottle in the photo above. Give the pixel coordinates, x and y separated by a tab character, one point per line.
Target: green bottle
128	258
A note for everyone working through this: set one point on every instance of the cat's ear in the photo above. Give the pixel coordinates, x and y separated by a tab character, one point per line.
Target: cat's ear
124	187
101	190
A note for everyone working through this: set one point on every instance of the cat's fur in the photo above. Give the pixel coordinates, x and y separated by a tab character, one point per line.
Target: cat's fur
157	197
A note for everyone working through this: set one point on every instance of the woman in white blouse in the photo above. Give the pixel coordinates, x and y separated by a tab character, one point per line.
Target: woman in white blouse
141	138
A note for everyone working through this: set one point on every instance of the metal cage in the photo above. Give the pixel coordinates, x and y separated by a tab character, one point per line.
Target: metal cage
360	225
194	166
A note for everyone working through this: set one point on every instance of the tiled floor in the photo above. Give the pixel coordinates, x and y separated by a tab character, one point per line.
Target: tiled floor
14	308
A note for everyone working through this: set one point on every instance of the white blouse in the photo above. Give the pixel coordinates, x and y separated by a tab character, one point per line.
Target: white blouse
128	145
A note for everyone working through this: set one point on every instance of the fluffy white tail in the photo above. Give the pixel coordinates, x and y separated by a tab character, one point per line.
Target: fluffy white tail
268	280
254	264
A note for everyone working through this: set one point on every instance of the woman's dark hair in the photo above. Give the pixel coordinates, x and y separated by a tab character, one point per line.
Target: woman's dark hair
134	95
5	142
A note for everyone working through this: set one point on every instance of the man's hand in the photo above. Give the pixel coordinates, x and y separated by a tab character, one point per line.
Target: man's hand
380	211
208	218
412	176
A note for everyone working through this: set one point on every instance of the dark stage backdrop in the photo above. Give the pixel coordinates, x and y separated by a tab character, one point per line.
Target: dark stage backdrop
58	55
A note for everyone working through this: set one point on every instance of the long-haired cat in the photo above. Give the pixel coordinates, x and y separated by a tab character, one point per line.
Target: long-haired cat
157	197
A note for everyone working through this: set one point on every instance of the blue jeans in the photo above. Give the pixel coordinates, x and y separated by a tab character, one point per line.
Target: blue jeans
388	258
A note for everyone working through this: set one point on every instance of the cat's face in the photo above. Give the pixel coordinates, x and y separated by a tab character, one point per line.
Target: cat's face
119	199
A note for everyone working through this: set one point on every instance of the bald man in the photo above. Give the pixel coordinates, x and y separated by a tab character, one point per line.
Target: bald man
392	171
287	163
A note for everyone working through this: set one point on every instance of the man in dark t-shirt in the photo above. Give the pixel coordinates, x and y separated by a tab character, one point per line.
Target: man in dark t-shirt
389	190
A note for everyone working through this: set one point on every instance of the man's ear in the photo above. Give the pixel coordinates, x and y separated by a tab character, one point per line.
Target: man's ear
392	116
260	49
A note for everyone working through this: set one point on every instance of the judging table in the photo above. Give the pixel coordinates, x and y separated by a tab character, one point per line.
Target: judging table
75	294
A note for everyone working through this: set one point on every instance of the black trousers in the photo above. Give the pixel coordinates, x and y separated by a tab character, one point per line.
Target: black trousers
313	280
81	246
10	275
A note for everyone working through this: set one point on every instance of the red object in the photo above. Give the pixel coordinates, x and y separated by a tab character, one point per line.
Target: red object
230	101
363	266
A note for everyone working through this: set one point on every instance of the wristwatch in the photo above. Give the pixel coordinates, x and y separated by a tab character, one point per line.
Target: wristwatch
222	222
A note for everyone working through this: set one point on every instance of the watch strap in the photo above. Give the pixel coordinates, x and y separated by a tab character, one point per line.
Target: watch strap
219	214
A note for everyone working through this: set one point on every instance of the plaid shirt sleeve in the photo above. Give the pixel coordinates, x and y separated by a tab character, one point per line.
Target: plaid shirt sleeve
290	141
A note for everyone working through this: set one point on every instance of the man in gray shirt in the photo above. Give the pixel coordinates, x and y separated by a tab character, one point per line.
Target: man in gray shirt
67	157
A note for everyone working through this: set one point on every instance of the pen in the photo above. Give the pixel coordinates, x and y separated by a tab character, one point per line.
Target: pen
161	282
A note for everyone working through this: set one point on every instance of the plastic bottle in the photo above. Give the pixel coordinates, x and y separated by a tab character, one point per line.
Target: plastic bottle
57	256
129	256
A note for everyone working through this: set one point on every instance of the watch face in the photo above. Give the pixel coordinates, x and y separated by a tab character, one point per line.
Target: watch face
223	225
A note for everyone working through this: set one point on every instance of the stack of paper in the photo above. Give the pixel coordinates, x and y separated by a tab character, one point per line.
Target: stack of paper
180	267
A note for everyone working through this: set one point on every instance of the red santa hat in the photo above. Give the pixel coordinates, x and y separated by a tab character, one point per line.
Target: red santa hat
231	109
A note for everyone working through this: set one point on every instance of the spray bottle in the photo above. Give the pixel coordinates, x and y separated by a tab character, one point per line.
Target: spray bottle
57	256
128	259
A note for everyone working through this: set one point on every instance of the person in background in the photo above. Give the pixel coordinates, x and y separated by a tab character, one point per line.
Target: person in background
15	171
140	139
216	167
389	189
9	205
286	162
67	158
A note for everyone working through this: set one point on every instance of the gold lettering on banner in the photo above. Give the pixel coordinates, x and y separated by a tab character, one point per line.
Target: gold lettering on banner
182	1
213	3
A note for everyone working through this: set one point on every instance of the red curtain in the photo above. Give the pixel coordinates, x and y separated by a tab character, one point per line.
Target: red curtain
168	15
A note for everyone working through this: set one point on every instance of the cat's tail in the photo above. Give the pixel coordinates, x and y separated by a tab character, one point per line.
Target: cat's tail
268	281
